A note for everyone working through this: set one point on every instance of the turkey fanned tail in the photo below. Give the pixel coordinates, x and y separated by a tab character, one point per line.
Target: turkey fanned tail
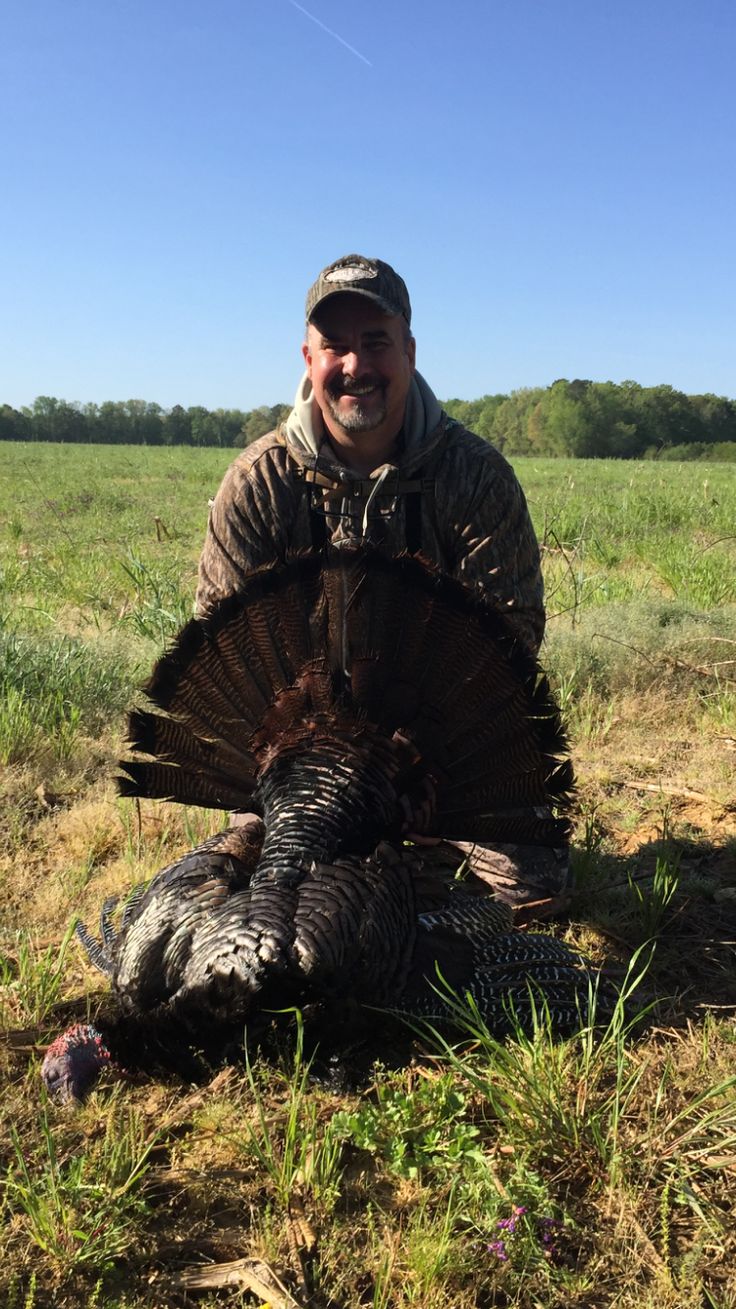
349	698
386	658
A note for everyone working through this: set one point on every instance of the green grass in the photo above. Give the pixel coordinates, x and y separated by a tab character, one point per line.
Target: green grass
31	979
79	1211
303	1156
55	689
593	1171
92	537
613	531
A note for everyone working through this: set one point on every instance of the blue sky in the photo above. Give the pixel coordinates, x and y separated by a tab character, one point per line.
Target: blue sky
554	179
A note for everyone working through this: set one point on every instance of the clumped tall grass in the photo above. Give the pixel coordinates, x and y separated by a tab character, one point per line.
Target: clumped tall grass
632	647
159	607
303	1156
55	688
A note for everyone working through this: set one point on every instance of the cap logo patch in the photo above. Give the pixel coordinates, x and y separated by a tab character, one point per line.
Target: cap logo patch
350	273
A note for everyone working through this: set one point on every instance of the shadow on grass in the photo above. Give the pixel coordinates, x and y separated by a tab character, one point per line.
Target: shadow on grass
679	893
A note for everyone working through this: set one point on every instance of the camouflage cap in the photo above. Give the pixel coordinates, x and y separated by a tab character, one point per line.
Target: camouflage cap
360	276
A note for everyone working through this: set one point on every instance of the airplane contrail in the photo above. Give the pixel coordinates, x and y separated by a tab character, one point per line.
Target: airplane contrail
330	32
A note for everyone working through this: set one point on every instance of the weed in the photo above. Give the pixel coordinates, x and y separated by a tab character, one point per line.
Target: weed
31	978
653	902
418	1132
585	853
22	1297
702	579
573	1094
302	1154
719	699
18	725
383	1280
71	1216
590	720
522	1238
432	1253
160	608
52	689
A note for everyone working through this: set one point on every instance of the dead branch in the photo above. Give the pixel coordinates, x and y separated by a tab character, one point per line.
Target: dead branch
664	788
246	1274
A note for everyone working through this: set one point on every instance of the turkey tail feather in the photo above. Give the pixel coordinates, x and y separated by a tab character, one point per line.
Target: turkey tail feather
171	782
107	927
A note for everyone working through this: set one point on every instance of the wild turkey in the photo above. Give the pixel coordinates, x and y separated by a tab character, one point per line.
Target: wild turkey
350	698
421	930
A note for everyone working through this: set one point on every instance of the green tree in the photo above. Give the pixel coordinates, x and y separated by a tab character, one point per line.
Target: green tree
113	423
176	427
55	420
257	423
14	425
666	417
205	429
230	426
144	422
567	427
716	415
510	430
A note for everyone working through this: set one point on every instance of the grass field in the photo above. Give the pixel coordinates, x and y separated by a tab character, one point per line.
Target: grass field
530	1173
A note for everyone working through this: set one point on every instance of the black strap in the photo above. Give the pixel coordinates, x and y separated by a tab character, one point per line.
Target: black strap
317	527
413	522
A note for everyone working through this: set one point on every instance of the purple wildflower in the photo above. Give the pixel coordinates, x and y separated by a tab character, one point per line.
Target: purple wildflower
509	1224
498	1248
546	1228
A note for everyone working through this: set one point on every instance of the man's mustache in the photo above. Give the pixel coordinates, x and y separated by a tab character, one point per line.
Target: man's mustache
345	387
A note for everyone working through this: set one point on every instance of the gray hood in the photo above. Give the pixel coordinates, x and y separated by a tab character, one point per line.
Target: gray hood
305	433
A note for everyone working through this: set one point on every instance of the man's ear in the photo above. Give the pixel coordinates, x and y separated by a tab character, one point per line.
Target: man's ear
307	356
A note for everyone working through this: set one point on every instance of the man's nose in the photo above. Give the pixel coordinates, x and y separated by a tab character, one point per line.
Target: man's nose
353	363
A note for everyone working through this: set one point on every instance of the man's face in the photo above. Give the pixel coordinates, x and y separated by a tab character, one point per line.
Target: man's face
360	362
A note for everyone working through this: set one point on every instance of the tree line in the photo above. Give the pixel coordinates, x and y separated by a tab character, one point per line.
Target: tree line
136	422
589	420
580	418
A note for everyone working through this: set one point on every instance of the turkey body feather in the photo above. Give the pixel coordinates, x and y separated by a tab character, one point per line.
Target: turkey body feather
386	931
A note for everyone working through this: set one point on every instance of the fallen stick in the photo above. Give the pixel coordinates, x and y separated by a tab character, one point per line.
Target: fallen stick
246	1274
683	792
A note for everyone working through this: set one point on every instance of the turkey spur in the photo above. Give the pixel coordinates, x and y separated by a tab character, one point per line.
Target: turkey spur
351	699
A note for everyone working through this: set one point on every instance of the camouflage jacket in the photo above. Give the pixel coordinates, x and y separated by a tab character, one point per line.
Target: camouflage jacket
456	500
